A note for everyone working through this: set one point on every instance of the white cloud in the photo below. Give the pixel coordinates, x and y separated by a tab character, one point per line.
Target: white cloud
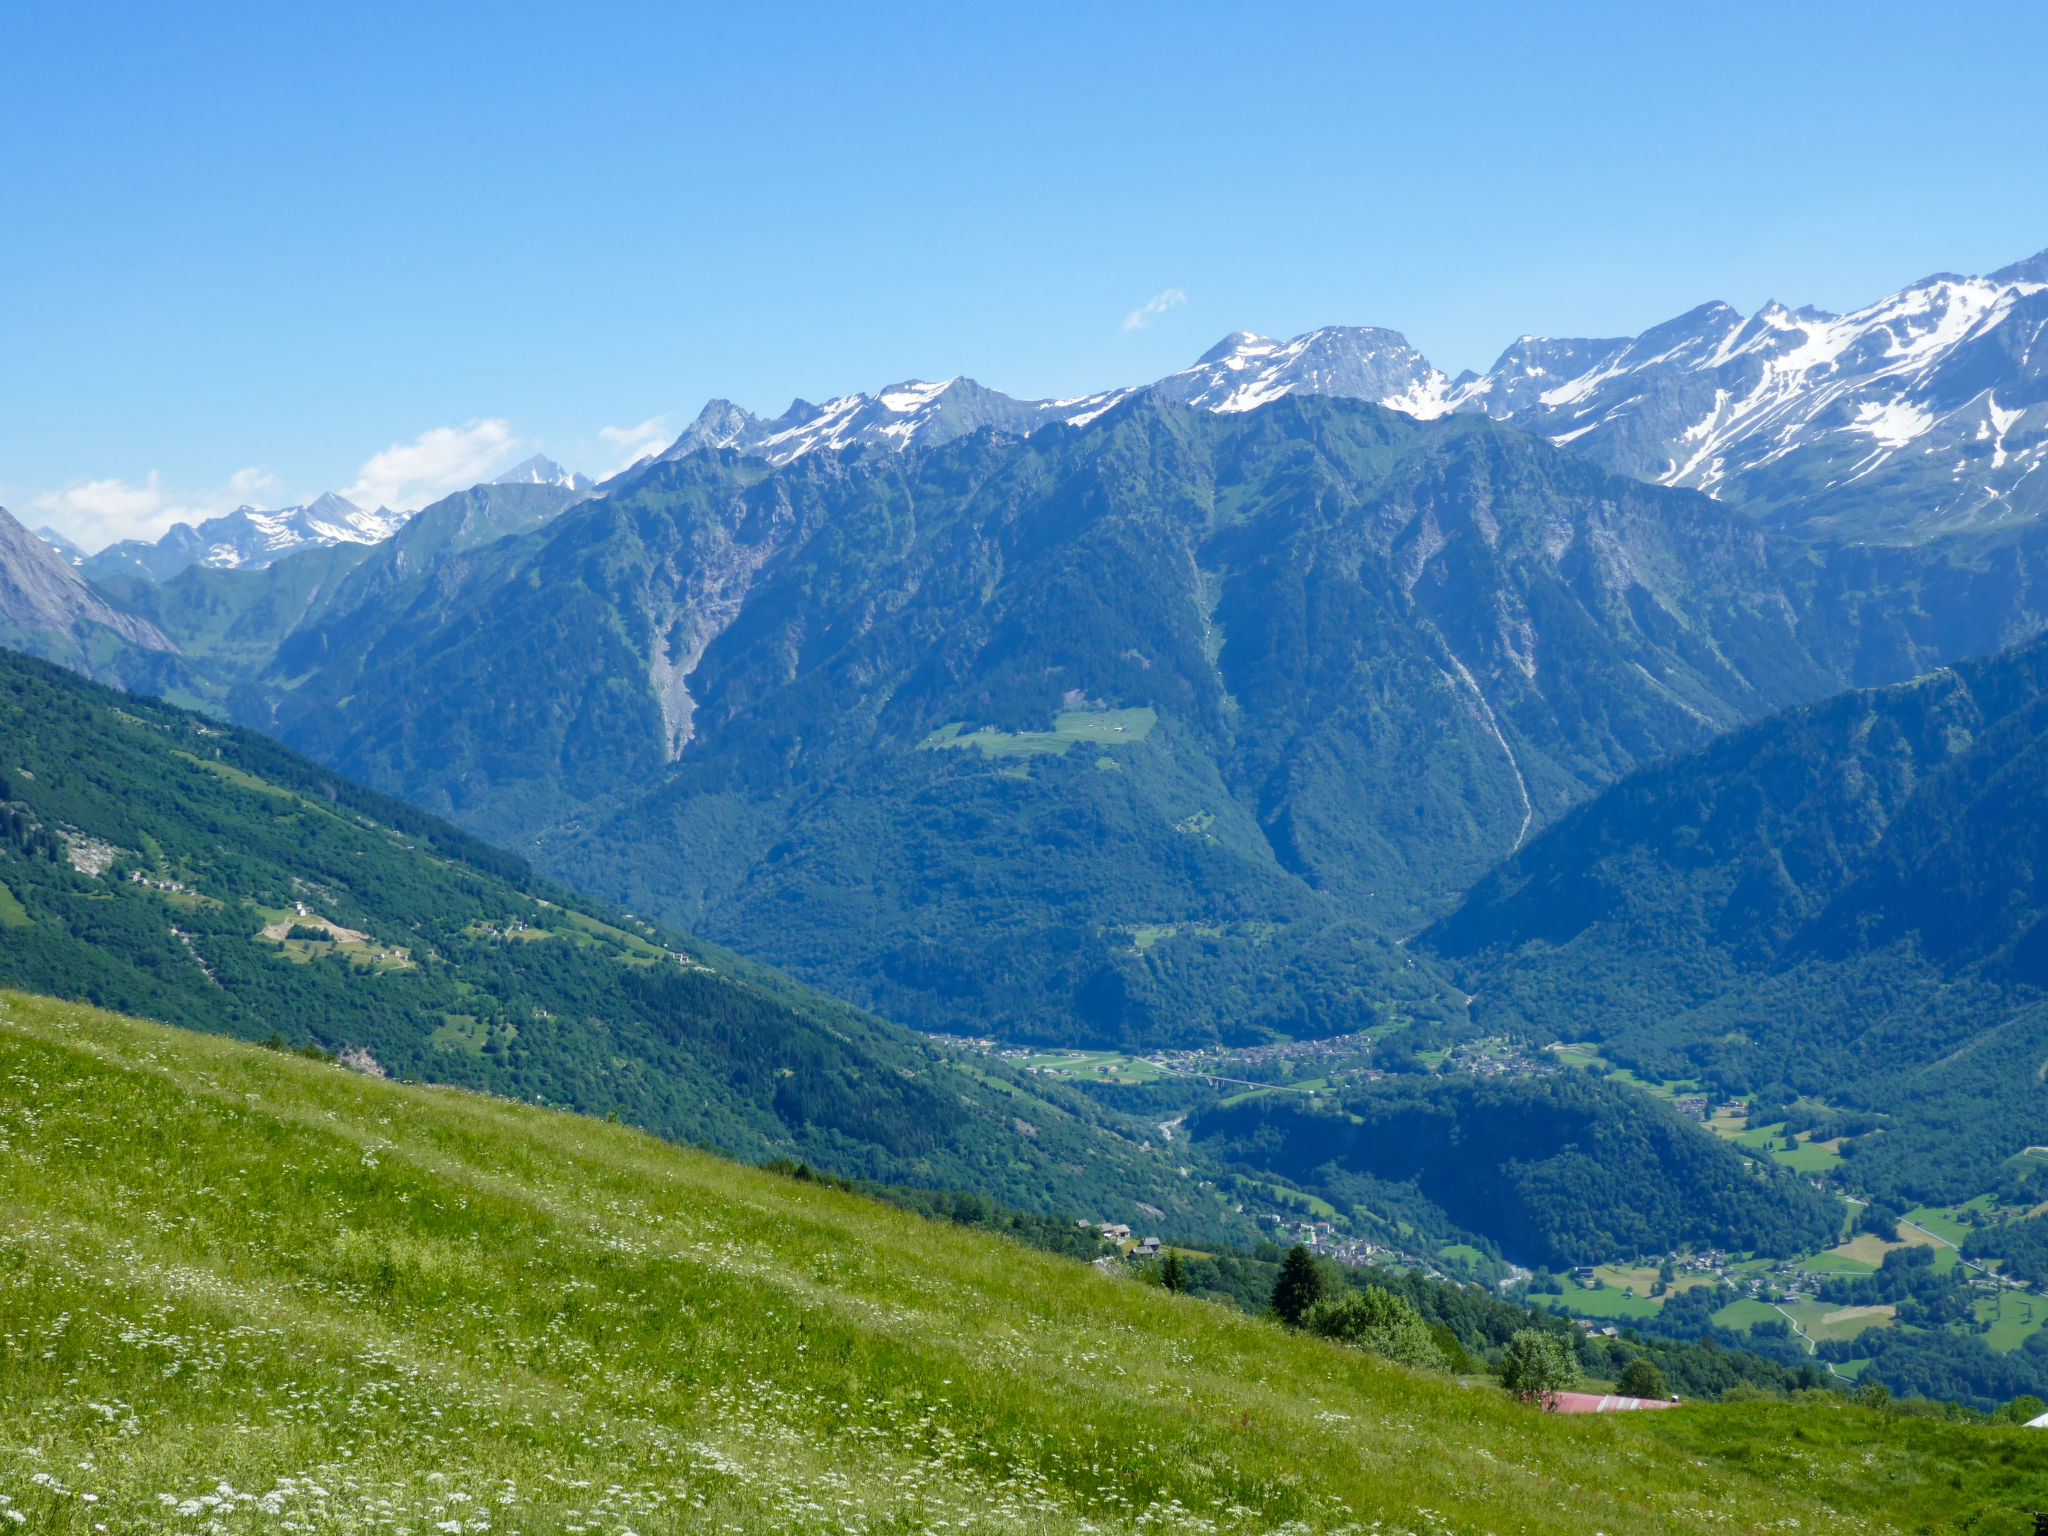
406	476
95	513
244	484
634	443
1158	304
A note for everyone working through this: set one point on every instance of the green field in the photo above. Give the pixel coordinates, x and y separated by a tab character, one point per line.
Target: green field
249	1292
1809	1157
1607	1302
1825	1320
1836	1264
1103	727
1747	1313
2014	1318
1097	1066
1942	1223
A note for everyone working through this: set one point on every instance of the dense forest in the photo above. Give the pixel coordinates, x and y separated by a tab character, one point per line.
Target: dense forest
1840	903
1561	1169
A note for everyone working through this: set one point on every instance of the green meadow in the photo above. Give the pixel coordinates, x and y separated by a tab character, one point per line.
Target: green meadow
247	1291
1102	727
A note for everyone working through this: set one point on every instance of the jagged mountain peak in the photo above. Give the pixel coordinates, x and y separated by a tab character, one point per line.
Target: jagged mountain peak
247	537
1925	409
542	470
1365	362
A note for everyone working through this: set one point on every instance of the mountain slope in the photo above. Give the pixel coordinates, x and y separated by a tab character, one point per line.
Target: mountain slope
1843	901
230	622
48	609
1557	1169
158	863
263	1291
1145	730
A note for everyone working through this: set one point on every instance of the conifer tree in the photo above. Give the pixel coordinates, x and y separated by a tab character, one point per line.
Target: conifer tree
1171	1274
1299	1287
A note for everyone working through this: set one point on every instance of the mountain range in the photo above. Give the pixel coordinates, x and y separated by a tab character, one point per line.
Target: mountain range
1154	716
1923	412
249	538
1306	694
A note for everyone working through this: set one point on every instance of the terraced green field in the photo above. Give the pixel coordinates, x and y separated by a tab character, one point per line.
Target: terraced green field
242	1291
1102	727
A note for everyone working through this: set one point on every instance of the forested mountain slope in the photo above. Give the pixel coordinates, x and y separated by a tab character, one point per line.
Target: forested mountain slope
1558	1169
157	862
1153	729
267	1293
1844	901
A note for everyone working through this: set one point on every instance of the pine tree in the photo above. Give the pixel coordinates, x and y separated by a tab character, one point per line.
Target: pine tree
1171	1274
1299	1287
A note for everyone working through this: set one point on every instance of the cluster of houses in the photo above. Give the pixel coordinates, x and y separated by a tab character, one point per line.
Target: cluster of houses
1696	1106
1120	1233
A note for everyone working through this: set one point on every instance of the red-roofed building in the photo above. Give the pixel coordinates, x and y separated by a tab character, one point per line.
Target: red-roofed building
1593	1402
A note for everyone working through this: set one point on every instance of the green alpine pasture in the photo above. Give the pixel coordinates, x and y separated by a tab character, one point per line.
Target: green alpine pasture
242	1290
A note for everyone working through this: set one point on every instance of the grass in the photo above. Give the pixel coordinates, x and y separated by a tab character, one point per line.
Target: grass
2014	1316
1096	1066
1942	1223
1810	1156
1102	727
1825	1320
1747	1313
1836	1263
12	913
460	1032
244	1291
1607	1302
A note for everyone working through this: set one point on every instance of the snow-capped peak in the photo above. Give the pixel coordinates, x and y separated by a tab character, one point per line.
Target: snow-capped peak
1801	405
1784	403
542	470
1245	370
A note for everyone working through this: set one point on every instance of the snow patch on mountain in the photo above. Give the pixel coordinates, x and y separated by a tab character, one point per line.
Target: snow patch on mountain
247	537
1782	408
542	470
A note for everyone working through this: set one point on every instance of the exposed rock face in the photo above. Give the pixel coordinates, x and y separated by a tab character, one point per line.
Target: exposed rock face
48	610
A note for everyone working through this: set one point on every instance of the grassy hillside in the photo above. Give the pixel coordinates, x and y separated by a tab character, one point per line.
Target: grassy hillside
166	866
246	1291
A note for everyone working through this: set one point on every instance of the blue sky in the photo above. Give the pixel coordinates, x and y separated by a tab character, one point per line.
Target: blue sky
260	252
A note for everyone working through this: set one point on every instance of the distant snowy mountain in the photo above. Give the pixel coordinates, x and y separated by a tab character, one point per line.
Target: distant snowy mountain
1926	410
1359	362
912	413
246	537
1923	411
542	470
1240	372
